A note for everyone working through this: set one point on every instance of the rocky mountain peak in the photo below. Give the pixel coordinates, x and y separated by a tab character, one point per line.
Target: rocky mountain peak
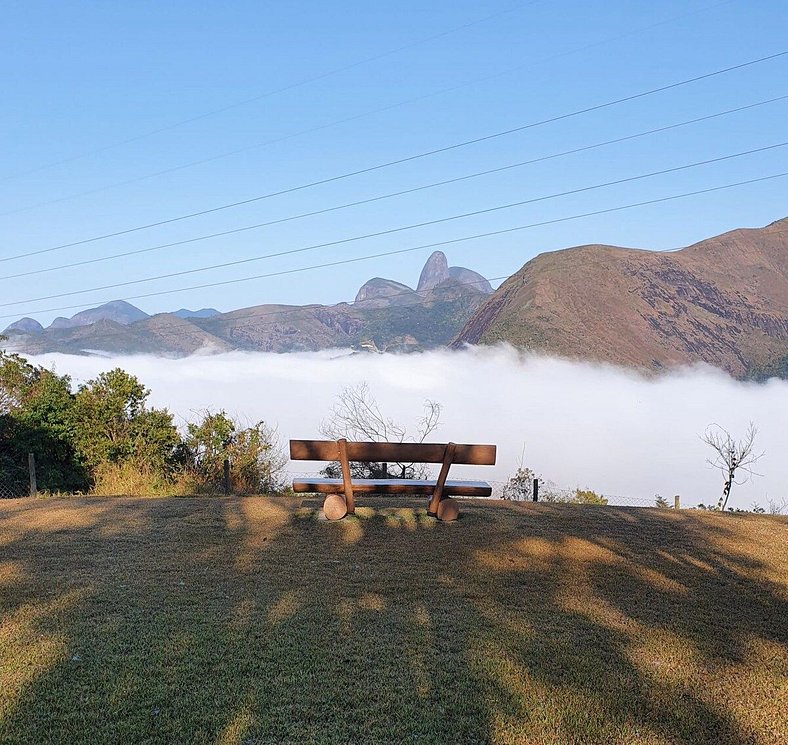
384	292
24	326
435	271
117	310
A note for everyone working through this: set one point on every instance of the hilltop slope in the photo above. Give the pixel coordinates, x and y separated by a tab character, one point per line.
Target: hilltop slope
723	301
221	621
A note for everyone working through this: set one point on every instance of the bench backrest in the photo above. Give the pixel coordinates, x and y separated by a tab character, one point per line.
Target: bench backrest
392	452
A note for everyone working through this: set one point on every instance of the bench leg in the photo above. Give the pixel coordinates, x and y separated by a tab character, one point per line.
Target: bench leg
334	507
438	499
347	483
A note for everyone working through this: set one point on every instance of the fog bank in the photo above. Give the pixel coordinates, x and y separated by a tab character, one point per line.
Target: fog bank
581	424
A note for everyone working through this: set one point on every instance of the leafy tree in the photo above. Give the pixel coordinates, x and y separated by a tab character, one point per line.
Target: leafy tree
35	417
257	461
17	377
520	485
208	446
112	424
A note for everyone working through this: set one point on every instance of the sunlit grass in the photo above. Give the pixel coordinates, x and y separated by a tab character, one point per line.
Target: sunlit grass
255	621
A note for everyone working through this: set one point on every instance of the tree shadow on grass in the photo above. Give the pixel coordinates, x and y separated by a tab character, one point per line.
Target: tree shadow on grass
248	621
647	626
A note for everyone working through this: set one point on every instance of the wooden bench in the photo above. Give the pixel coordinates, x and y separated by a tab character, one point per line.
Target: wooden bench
340	499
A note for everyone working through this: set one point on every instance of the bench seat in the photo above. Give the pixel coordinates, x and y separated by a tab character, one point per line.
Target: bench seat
392	486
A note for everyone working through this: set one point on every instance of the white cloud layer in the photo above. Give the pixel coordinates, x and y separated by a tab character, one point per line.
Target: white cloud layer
582	425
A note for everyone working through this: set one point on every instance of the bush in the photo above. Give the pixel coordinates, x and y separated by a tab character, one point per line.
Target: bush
520	486
256	458
131	479
586	496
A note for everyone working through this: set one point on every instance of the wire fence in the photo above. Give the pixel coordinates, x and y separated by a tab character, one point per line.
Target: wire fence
15	482
547	491
14	479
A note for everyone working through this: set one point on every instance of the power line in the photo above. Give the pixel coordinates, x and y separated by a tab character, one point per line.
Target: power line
270	93
423	247
388	231
362	115
585	148
406	159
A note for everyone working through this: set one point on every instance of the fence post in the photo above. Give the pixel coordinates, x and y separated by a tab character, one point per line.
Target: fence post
226	477
677	502
31	465
536	490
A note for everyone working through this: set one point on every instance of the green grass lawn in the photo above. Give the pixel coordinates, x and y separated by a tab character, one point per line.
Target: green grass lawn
246	620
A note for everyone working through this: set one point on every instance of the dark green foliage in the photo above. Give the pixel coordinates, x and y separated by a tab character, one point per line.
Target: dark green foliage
36	416
430	326
112	424
72	435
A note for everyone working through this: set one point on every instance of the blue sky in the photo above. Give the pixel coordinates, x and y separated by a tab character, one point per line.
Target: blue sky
86	83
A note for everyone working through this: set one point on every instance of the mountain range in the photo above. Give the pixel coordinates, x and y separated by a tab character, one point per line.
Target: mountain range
385	316
117	310
722	301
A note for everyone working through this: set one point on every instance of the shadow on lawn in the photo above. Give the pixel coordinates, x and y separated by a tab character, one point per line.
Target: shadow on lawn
232	621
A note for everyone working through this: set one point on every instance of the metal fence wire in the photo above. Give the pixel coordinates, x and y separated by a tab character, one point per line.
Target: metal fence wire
549	491
14	480
522	491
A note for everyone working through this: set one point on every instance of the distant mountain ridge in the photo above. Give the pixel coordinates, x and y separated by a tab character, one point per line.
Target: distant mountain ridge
722	301
386	315
117	310
202	313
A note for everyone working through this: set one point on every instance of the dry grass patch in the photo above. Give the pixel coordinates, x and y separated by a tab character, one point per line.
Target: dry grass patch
250	620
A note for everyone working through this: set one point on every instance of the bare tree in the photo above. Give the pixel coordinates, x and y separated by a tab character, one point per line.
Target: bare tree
731	456
778	509
357	416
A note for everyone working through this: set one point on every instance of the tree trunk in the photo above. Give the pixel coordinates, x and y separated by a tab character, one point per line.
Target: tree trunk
726	491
